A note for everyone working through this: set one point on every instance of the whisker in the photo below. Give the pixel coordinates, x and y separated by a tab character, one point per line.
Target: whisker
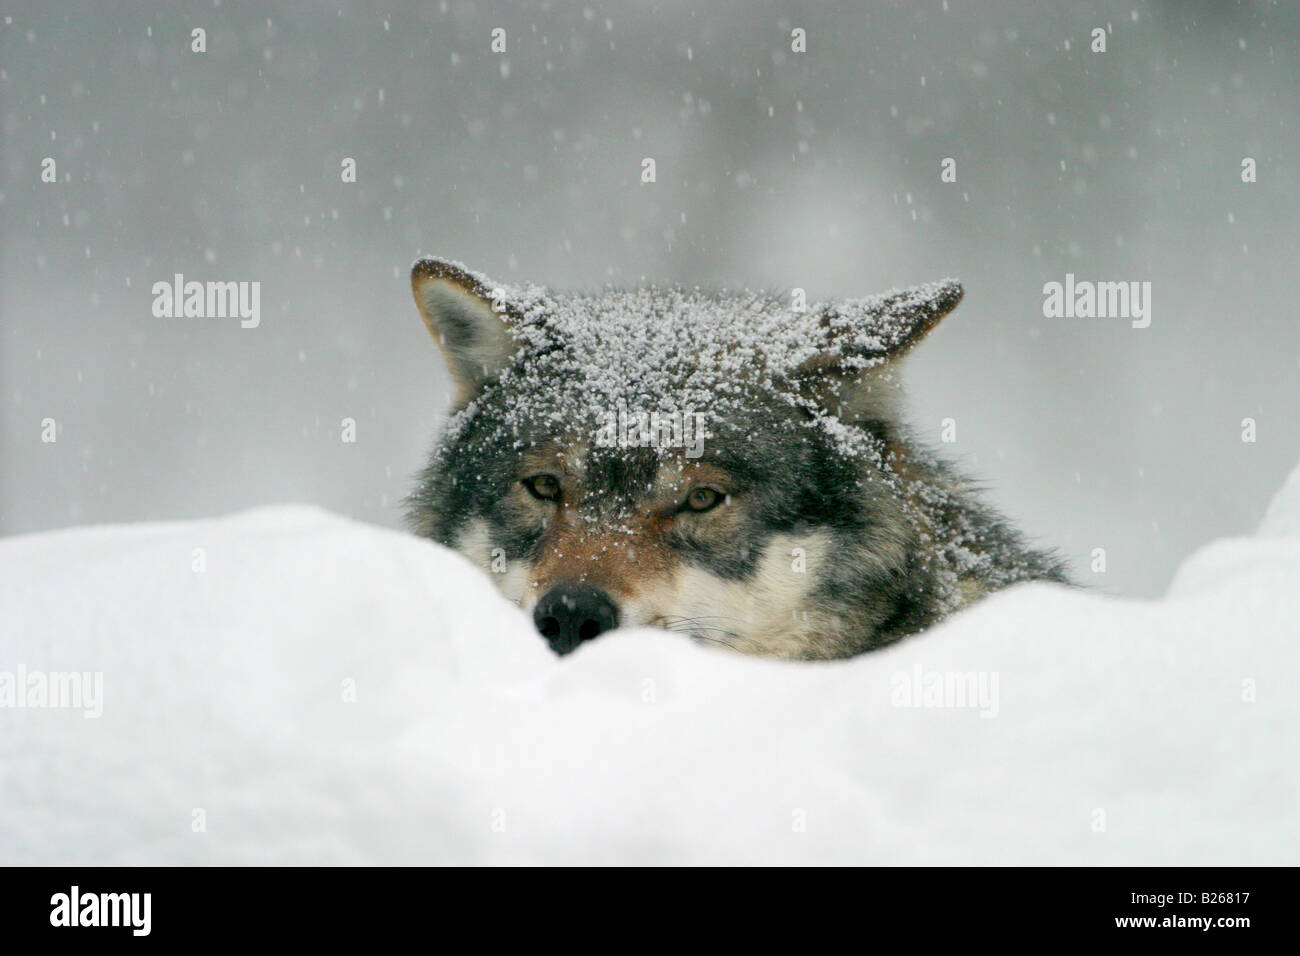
697	629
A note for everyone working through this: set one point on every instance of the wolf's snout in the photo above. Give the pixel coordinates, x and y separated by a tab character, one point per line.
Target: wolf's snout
572	613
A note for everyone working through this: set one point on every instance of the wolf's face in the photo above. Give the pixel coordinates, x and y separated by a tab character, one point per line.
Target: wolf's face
722	466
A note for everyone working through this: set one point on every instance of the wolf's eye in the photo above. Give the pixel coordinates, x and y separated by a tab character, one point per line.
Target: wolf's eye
703	499
543	487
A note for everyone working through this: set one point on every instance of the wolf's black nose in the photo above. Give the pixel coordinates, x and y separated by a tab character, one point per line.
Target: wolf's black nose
572	613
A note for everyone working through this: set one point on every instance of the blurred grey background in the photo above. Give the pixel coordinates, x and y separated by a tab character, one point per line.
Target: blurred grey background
775	169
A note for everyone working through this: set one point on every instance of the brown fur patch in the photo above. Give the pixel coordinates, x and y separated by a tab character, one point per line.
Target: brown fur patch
626	561
621	562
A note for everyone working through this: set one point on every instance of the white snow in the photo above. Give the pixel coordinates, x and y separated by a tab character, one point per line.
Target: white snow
1122	731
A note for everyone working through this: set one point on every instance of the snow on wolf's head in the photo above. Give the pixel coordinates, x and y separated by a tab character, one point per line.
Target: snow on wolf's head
723	465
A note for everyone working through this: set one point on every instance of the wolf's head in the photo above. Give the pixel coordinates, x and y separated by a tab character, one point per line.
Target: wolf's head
724	465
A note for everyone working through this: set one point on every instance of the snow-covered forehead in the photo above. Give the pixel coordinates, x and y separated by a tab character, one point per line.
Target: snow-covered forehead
745	361
685	348
680	348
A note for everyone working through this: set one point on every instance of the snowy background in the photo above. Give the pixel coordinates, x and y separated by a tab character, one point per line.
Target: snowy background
329	691
775	169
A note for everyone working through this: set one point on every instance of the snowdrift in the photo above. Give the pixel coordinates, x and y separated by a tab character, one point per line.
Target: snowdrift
287	686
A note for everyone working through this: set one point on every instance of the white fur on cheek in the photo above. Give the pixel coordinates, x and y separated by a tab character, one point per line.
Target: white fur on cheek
636	613
766	612
514	584
475	543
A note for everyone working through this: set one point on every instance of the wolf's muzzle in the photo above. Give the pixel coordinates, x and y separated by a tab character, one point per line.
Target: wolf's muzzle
569	614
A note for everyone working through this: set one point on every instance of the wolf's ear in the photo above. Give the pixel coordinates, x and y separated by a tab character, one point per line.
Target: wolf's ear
880	328
863	338
467	319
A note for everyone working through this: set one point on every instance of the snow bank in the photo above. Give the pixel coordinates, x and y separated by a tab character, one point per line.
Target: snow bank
286	686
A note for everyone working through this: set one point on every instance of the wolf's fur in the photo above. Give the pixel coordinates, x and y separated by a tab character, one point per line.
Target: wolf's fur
838	531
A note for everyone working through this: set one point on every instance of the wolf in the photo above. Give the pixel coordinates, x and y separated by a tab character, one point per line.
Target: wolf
807	522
